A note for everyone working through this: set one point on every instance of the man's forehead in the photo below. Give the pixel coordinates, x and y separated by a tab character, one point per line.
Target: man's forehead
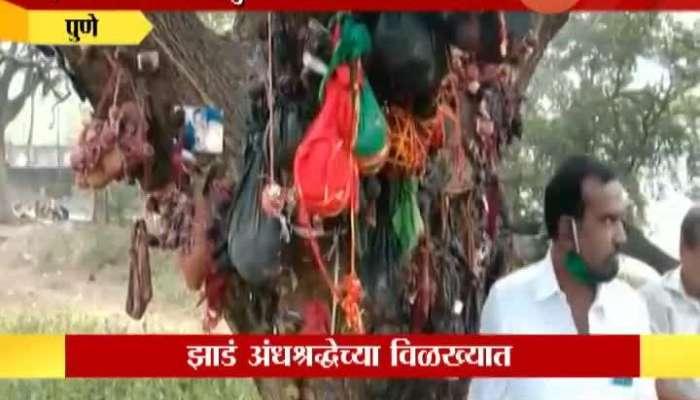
610	196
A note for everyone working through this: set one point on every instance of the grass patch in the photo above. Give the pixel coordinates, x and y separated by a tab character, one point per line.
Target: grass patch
108	389
125	389
104	249
77	251
168	282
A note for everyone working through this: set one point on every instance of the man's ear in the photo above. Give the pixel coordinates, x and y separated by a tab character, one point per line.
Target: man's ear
683	250
565	233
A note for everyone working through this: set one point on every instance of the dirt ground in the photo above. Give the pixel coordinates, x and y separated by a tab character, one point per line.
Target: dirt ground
81	269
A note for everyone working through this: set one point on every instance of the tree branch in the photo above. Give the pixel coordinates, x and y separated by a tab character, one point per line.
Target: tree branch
9	53
638	246
11	56
612	99
642	249
5	79
14	106
546	28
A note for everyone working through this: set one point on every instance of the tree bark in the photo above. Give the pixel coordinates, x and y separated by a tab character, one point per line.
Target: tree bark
545	28
9	109
6	215
642	249
30	133
199	67
196	67
638	246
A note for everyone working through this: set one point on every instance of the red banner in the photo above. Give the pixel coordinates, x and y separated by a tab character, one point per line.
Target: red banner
383	5
180	356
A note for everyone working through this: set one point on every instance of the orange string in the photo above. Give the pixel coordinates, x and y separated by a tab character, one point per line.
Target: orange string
407	147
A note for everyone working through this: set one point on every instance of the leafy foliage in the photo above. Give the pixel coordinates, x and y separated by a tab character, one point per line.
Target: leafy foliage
618	86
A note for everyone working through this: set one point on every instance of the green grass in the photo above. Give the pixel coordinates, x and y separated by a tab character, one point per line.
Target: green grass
168	282
108	389
126	389
102	250
105	249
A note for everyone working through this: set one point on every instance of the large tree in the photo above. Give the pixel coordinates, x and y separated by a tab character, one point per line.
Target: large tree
200	66
621	87
24	65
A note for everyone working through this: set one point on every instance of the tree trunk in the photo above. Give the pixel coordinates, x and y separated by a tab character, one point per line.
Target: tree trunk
199	67
6	215
9	109
100	206
30	133
642	249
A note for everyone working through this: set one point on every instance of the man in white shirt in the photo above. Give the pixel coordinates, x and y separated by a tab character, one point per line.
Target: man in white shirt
674	303
572	290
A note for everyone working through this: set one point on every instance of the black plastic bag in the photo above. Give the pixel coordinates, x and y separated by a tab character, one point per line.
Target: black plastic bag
381	264
254	239
290	122
463	30
409	58
482	32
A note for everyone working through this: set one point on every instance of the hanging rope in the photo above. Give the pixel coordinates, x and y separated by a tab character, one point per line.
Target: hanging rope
352	285
270	101
110	87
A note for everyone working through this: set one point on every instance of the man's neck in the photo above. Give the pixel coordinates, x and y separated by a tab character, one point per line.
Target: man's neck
579	295
567	283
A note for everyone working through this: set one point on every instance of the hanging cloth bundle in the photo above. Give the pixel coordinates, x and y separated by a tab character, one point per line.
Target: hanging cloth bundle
195	255
254	238
406	219
326	172
352	42
95	159
372	144
115	144
140	289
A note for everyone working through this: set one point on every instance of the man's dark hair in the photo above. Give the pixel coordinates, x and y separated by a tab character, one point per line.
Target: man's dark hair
564	192
690	228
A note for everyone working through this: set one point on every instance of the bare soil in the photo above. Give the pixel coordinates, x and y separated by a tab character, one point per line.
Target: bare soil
82	269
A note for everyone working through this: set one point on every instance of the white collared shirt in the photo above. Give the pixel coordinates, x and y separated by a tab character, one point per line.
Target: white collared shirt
673	311
530	301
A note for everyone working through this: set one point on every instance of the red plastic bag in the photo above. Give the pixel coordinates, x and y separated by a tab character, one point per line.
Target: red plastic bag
326	175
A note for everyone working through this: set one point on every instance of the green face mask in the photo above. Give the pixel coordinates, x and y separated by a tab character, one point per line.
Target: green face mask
578	268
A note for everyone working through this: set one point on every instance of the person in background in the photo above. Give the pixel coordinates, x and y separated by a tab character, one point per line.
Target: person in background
674	303
573	290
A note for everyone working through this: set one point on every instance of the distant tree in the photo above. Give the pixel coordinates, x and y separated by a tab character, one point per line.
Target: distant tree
35	73
584	99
